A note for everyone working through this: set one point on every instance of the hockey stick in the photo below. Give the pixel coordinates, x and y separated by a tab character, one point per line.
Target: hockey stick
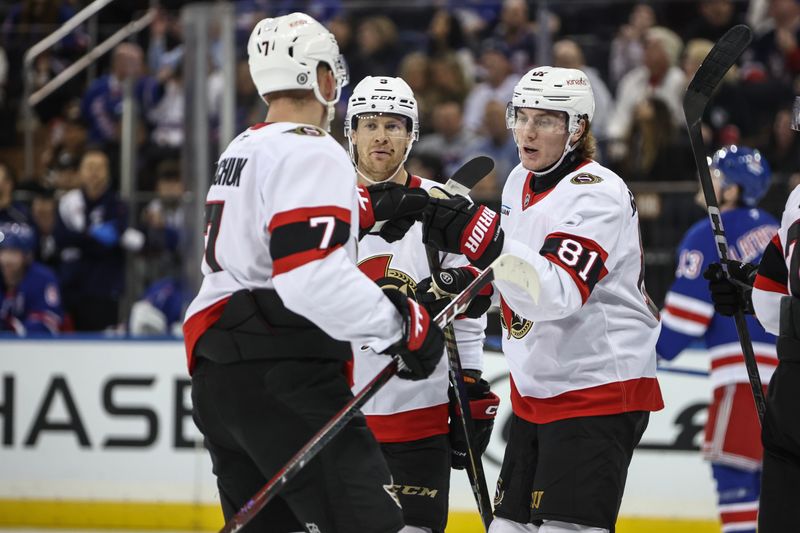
721	57
462	181
506	267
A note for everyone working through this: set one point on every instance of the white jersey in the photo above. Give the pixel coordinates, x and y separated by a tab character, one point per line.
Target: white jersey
404	410
588	346
776	275
282	214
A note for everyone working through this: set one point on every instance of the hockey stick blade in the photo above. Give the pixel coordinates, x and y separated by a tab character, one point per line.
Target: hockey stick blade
468	175
721	58
509	268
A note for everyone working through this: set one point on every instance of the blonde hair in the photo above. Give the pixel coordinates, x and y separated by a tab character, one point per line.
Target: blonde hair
669	41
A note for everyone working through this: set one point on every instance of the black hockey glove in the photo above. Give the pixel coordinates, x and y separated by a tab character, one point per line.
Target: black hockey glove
422	344
731	295
436	291
483	405
396	206
457	226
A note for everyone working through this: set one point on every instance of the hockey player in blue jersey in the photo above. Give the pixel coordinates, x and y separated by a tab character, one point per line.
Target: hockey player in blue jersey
732	435
30	302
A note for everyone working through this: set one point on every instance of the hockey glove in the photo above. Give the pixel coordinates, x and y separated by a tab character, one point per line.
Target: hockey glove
398	207
483	405
457	226
734	294
436	291
422	343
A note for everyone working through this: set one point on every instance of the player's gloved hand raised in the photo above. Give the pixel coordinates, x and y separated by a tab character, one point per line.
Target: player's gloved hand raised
483	405
395	206
422	343
732	295
436	291
456	225
105	233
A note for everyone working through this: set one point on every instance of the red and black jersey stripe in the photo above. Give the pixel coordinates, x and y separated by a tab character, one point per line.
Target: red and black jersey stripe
581	257
302	235
772	274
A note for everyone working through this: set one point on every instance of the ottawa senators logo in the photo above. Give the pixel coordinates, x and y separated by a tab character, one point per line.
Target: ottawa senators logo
584	178
519	326
310	131
377	269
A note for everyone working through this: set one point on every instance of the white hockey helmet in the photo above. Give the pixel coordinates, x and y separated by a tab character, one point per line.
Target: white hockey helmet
555	89
284	53
382	94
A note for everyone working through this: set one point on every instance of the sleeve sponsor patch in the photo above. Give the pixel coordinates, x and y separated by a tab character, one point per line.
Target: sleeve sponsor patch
584	178
303	235
311	131
582	258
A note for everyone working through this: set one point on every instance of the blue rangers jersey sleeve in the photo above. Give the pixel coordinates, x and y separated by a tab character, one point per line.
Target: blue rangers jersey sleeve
688	312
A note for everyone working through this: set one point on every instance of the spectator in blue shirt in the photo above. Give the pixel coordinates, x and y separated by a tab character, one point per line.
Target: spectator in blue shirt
10	211
92	235
102	104
30	302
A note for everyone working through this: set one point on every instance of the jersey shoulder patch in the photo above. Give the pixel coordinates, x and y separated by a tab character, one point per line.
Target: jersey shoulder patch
584	178
310	131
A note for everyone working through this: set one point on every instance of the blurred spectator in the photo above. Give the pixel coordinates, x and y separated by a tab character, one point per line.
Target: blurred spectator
167	120
3	76
516	30
414	69
446	36
716	17
43	216
498	83
497	143
777	51
656	149
64	151
10	211
377	53
30	21
424	165
102	103
567	54
91	235
659	76
163	222
30	302
165	44
449	139
627	48
447	80
729	107
783	149
160	310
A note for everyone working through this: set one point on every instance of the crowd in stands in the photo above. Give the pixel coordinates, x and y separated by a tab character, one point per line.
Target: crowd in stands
461	58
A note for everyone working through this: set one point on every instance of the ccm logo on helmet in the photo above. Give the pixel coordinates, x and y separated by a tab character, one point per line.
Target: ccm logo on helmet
480	229
382	97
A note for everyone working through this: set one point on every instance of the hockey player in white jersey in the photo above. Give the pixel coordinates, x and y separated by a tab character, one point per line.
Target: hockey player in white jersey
409	419
771	290
269	334
582	358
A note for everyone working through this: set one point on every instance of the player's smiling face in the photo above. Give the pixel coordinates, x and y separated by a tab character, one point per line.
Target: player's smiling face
541	136
381	142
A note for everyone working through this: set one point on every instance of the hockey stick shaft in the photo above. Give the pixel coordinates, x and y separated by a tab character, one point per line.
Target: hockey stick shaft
721	57
474	469
513	269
